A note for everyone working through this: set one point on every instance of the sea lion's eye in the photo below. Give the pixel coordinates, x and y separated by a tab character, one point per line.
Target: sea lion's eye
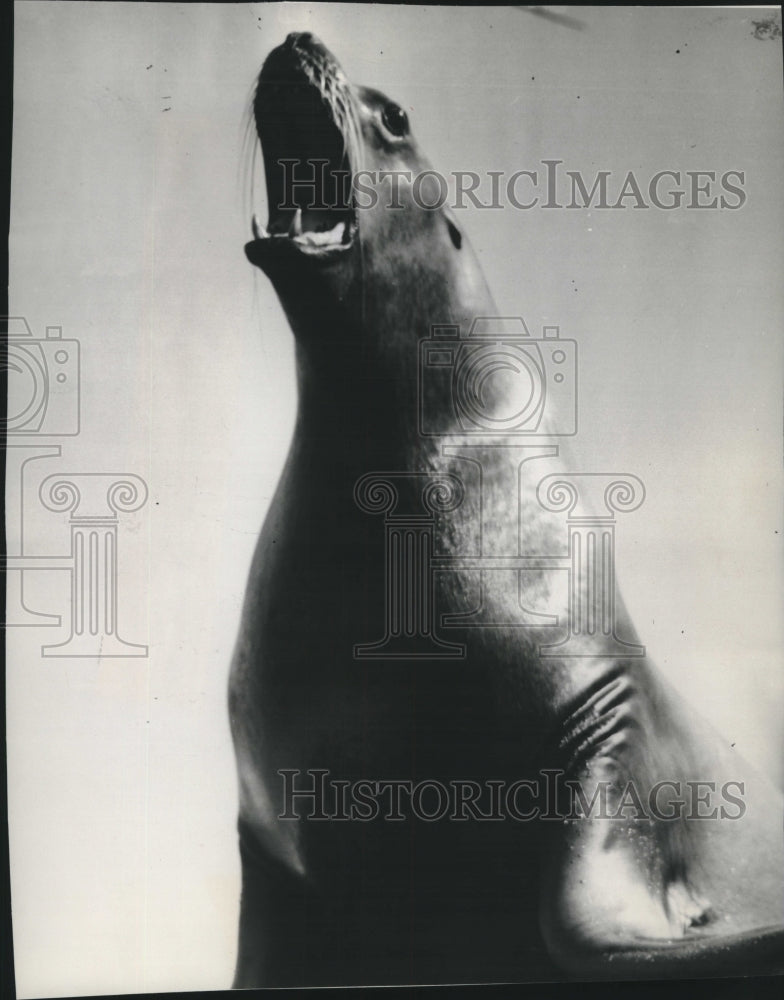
395	119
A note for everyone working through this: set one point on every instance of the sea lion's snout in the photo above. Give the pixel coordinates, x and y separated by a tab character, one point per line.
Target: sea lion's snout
291	57
305	41
306	123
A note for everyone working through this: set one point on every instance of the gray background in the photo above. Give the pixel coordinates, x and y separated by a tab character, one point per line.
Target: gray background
131	203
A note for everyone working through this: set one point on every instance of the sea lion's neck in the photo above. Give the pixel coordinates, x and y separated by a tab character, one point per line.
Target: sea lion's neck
363	377
355	417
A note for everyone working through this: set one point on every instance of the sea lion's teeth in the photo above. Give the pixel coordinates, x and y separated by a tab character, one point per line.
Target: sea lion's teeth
333	235
331	238
295	229
259	231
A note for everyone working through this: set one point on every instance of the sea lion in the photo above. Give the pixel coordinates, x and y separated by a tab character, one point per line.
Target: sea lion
623	882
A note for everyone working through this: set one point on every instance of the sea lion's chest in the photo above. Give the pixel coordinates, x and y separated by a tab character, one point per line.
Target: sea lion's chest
318	595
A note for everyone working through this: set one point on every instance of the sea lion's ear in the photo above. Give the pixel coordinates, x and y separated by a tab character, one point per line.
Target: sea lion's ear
454	233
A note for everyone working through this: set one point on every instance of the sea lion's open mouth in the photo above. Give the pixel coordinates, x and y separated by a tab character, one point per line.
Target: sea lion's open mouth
307	128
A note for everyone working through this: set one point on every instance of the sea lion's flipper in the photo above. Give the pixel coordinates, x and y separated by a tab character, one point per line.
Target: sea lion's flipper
589	942
644	897
759	952
645	935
